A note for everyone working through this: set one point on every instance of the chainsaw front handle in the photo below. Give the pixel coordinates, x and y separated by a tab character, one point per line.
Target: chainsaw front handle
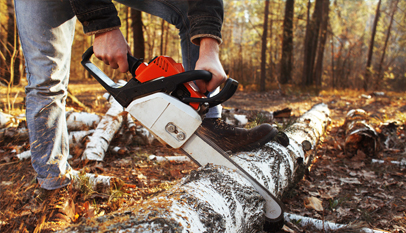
133	62
134	89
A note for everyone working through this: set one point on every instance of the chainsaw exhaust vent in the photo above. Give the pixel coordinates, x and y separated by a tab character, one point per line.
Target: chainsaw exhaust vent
161	66
161	63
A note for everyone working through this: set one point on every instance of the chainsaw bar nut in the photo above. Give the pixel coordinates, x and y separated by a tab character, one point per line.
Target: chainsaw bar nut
181	136
173	130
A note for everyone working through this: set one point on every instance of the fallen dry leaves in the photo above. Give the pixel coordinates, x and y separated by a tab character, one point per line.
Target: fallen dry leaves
313	203
337	189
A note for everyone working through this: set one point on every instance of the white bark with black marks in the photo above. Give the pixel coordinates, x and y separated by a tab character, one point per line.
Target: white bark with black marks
218	199
104	133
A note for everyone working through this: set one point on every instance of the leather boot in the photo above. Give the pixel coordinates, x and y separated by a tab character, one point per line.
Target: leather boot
59	204
235	139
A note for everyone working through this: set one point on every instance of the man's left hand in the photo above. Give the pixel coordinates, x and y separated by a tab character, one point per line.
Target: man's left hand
209	61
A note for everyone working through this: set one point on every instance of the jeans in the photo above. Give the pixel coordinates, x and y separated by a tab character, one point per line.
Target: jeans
46	29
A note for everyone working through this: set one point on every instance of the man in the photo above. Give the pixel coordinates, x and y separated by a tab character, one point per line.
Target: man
46	29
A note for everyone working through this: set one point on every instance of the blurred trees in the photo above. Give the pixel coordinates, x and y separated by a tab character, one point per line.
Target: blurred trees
323	43
287	43
264	46
10	55
368	70
311	41
138	34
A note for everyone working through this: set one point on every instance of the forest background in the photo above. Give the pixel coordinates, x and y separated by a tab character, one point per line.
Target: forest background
267	44
308	46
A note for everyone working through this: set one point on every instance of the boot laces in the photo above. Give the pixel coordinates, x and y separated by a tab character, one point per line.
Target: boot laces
57	199
220	124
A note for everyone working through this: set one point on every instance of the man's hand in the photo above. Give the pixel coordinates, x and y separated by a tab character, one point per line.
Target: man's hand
209	60
112	48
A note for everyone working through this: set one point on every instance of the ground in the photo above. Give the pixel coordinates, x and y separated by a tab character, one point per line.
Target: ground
352	190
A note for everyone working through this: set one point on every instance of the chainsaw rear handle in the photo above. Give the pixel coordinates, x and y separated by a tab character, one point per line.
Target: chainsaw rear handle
134	89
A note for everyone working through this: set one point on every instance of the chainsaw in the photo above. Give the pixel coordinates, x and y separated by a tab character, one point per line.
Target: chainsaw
163	98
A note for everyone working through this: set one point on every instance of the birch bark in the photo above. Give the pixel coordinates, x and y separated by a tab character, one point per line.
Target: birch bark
218	199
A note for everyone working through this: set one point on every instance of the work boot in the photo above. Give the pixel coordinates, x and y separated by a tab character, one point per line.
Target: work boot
234	139
59	204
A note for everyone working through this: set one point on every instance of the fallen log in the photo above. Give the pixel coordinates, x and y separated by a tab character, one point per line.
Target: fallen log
14	134
100	140
75	121
326	226
77	137
359	135
7	120
218	199
81	121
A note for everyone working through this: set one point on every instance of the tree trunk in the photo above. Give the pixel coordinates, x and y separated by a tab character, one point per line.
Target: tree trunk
311	40
287	43
12	74
323	37
162	36
166	39
371	48
271	63
138	35
379	78
263	49
17	59
333	79
218	199
2	52
127	23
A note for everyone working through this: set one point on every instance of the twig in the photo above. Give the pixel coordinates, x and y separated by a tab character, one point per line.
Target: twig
9	163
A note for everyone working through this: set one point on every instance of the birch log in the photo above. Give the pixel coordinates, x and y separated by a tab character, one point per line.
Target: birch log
7	120
77	121
218	199
104	133
14	134
359	135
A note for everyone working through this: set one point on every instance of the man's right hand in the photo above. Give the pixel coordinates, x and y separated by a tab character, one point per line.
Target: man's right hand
112	48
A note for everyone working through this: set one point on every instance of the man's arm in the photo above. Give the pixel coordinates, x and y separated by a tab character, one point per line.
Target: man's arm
100	18
206	20
110	46
96	16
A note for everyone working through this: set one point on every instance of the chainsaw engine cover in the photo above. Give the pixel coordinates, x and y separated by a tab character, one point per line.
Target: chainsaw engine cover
171	121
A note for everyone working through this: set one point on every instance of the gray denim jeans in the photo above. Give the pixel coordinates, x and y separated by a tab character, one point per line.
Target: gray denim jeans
46	29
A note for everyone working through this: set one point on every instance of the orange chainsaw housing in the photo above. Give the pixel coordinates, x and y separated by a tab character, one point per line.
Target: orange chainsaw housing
164	66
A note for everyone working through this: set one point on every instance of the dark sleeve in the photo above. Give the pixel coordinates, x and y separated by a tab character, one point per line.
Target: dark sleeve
206	19
96	15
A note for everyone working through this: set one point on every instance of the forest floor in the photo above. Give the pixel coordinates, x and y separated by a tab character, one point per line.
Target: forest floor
351	190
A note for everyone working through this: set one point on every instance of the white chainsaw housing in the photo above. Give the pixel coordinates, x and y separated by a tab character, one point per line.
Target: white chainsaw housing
171	121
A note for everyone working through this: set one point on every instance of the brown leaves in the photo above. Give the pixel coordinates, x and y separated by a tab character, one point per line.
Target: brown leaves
313	203
331	193
85	210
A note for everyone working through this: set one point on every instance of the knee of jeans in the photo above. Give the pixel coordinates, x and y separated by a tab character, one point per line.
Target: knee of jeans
46	87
